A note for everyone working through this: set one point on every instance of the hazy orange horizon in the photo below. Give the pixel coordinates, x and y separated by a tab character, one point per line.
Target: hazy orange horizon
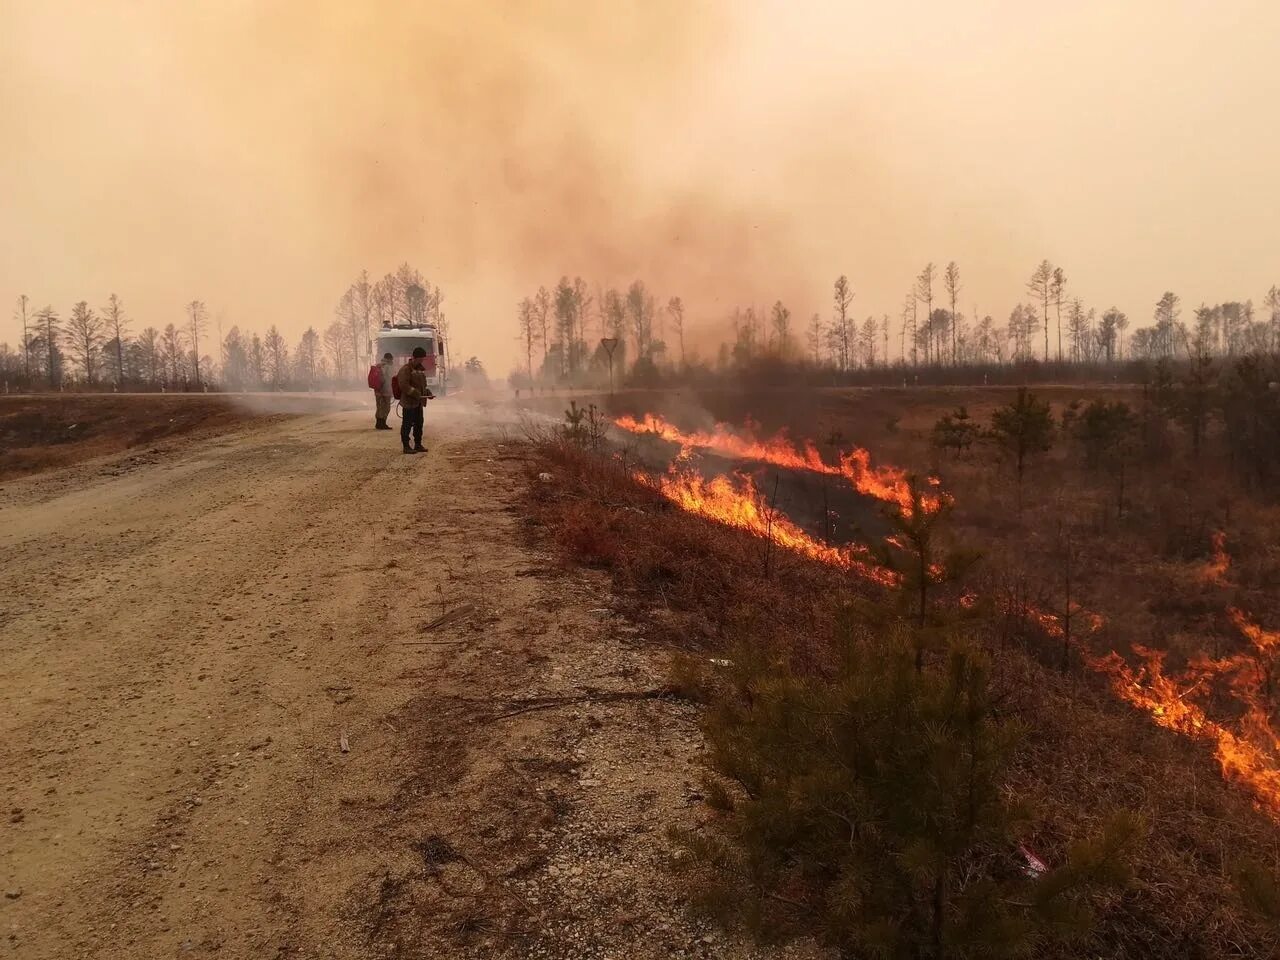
258	155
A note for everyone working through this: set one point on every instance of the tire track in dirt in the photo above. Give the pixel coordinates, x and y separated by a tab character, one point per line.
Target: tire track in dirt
178	622
184	645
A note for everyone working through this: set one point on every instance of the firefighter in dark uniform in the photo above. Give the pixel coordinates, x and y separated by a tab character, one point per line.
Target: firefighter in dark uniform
412	379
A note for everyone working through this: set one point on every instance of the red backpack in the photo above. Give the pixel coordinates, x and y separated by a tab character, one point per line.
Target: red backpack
375	377
395	386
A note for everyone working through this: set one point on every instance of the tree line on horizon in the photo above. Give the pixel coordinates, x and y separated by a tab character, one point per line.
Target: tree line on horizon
560	331
569	325
95	347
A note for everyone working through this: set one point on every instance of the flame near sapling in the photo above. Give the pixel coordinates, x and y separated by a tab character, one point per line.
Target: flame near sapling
1246	751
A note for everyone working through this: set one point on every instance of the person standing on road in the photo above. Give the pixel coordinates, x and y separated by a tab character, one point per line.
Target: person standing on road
413	394
382	392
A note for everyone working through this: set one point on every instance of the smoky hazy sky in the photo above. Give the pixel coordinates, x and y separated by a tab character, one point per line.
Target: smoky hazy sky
257	155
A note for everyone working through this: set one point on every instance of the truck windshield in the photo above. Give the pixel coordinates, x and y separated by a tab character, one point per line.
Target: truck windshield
403	346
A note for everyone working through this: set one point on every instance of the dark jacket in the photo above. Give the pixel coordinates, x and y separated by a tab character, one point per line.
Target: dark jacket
413	385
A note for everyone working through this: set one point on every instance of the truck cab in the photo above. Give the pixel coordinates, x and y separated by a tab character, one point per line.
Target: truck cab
399	340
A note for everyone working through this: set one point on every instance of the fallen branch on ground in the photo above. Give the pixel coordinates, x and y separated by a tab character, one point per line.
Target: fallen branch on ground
452	616
547	703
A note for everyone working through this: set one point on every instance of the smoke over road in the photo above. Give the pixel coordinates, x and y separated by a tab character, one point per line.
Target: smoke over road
259	155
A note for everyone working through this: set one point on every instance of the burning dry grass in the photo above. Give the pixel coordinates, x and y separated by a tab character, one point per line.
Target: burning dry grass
882	482
740	505
700	581
708	586
1242	683
1246	748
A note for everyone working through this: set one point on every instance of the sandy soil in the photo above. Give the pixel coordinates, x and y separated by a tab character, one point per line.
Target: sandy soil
49	431
187	637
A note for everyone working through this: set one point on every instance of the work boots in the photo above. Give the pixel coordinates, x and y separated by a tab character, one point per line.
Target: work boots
380	424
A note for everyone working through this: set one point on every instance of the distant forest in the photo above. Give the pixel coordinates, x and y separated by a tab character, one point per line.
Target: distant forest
96	348
1052	333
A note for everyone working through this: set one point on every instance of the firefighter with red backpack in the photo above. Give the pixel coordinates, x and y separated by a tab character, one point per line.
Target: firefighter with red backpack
380	377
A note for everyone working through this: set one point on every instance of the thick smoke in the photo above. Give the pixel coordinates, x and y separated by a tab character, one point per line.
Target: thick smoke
257	155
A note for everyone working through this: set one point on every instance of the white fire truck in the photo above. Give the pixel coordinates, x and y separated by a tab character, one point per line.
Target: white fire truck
399	341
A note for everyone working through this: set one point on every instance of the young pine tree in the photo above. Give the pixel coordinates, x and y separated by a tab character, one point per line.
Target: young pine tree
916	552
1106	431
955	431
1023	429
1193	399
867	806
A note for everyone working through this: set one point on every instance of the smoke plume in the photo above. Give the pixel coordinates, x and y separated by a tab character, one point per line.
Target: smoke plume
258	155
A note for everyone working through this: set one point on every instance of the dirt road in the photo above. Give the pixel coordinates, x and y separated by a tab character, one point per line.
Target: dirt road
186	637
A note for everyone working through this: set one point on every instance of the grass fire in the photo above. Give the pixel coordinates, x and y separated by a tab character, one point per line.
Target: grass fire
1025	602
1246	748
564	481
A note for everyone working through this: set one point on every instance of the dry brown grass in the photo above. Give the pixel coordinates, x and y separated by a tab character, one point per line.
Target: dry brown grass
702	587
50	431
1141	570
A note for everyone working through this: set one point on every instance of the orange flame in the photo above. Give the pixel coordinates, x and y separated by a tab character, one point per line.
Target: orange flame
883	483
1215	571
1246	753
1247	757
1264	641
741	506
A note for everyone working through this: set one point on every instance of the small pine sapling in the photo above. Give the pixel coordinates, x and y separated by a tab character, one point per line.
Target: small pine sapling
1023	429
955	431
867	806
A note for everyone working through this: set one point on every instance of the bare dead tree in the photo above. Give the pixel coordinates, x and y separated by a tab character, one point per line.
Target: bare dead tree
118	324
335	342
582	303
641	311
436	314
951	281
197	318
222	350
924	294
1040	286
675	306
1058	289
84	332
362	302
528	330
542	313
566	305
21	310
780	320
813	336
349	317
47	321
277	356
842	297
171	342
908	319
149	344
